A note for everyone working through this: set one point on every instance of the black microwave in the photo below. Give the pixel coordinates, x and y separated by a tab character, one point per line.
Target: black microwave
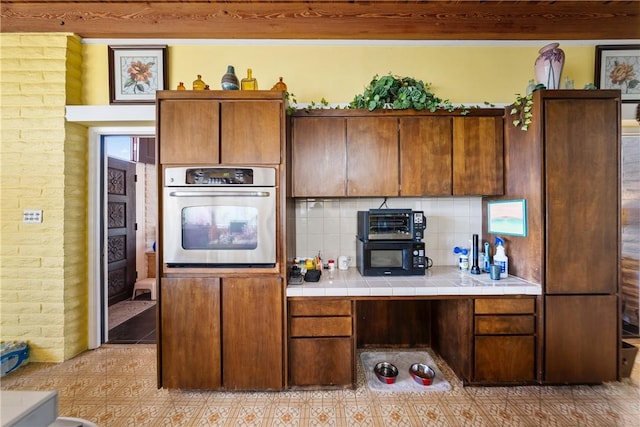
391	258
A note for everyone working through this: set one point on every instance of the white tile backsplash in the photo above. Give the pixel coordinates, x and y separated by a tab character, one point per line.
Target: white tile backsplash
329	225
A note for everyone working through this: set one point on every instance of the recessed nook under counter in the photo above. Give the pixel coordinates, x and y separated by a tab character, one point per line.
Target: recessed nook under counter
474	323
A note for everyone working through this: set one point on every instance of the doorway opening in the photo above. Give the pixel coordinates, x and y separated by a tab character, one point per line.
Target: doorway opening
129	226
122	220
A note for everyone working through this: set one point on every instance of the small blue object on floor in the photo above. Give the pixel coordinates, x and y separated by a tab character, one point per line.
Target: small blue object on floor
13	354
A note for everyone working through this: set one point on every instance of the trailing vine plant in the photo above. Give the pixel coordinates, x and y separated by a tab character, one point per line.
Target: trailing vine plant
521	111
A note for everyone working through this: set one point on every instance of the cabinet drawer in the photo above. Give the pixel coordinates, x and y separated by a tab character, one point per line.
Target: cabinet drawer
332	307
496	325
505	306
320	326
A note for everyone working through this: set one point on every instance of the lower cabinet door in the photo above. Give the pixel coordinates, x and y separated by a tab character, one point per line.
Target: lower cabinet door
504	358
581	339
320	361
252	333
190	333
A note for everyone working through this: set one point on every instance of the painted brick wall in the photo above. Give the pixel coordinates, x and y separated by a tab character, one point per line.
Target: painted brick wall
43	267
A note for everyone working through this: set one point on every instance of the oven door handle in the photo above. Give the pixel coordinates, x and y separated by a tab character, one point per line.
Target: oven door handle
219	194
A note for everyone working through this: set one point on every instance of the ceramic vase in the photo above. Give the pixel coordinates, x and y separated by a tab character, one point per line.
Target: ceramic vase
548	66
230	80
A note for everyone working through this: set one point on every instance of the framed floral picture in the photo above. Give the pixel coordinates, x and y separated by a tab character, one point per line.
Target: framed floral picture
618	67
136	73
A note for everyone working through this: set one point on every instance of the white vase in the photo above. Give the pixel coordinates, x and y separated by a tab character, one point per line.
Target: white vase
548	66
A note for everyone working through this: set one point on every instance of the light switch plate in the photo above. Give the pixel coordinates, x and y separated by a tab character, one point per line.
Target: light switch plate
32	216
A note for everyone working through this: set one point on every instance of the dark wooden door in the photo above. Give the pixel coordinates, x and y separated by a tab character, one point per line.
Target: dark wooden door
190	333
582	196
372	157
189	131
319	157
121	229
478	156
250	132
425	156
581	339
252	339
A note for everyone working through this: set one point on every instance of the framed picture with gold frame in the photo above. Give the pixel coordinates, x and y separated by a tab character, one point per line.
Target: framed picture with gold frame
136	73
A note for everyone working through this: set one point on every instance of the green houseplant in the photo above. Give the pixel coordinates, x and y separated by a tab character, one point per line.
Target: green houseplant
399	93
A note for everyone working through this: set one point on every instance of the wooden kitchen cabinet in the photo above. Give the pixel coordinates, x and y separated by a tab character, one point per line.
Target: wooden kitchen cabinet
338	156
566	166
397	153
372	156
478	156
252	325
426	156
321	344
504	340
190	326
581	339
222	333
250	132
319	164
189	131
582	196
211	127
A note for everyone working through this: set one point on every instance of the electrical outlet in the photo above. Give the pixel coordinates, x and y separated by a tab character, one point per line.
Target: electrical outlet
32	216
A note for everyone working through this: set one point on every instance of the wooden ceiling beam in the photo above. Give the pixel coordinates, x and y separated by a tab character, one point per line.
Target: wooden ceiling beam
320	19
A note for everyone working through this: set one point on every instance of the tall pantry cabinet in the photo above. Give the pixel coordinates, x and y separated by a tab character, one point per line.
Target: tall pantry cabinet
222	328
566	167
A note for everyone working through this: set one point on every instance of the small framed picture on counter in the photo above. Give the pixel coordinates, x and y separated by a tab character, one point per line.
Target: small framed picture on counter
618	67
507	217
136	73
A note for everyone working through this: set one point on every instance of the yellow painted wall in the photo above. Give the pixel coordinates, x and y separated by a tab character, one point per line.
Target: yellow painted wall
43	267
462	74
43	159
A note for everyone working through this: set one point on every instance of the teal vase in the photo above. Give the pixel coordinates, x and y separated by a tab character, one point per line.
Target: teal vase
230	80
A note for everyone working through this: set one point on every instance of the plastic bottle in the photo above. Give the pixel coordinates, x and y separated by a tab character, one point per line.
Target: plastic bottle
501	259
463	258
463	263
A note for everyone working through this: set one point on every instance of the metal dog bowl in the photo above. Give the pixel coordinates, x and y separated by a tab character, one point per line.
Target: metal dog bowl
422	374
386	372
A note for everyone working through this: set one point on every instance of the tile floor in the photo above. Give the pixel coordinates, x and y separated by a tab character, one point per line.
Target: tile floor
115	385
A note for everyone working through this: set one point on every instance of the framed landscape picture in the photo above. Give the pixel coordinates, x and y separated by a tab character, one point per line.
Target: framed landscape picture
136	73
507	217
618	67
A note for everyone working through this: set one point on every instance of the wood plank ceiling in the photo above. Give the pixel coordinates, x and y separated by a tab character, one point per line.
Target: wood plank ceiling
328	19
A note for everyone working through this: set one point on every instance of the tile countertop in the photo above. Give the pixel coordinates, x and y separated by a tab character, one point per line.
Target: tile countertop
437	281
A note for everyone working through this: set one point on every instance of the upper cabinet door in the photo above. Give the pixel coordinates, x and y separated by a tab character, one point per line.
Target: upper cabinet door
251	132
319	161
582	195
372	156
189	131
425	156
478	156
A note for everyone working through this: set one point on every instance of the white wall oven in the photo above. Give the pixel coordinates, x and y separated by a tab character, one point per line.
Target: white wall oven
217	216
